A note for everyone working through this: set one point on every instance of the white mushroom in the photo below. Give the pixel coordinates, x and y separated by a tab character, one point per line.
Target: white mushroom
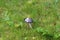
29	21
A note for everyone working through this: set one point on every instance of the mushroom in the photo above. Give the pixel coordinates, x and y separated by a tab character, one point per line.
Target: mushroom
29	21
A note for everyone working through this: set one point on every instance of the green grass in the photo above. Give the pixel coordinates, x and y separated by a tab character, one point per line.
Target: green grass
45	15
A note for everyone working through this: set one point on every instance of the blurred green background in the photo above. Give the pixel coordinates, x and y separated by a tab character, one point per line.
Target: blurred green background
45	15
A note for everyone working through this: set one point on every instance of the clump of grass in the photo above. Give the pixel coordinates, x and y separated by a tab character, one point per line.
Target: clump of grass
45	14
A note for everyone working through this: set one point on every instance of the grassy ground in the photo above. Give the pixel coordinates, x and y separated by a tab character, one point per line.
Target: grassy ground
45	15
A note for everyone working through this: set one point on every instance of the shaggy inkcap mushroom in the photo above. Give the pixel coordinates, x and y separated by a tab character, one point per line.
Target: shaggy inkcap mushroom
28	20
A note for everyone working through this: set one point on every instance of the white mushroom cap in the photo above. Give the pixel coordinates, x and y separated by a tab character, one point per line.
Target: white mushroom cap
28	20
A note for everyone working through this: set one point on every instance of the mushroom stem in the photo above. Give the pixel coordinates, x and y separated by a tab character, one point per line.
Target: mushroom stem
30	25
